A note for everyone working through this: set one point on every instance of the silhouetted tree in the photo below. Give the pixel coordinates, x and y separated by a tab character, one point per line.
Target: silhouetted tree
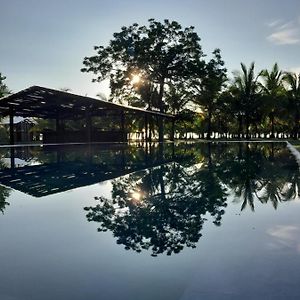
157	53
273	92
246	89
206	87
4	90
293	94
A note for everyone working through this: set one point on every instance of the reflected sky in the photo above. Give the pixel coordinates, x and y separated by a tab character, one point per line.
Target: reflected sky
163	209
202	221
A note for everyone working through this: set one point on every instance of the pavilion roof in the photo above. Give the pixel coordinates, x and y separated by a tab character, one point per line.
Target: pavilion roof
41	102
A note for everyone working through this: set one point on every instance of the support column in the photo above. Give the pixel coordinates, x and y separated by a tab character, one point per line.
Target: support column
160	129
146	128
11	127
150	128
172	130
12	158
58	129
88	127
123	129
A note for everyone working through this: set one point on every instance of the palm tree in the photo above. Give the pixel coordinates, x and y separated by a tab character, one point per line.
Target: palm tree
272	89
246	87
293	93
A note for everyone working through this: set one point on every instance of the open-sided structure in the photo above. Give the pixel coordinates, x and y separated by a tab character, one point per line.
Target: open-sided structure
47	103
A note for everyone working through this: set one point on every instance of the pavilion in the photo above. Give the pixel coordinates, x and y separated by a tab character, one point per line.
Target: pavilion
45	103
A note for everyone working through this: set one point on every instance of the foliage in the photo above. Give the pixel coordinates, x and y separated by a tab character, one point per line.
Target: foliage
293	95
4	90
4	193
161	66
159	53
206	89
246	89
163	209
273	94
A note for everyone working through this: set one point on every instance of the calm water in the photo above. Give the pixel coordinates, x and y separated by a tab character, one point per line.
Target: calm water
194	221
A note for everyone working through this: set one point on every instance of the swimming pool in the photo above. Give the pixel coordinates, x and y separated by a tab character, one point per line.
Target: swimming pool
184	221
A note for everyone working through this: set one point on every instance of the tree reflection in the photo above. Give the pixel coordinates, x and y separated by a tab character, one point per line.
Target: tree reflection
242	172
4	191
291	189
275	177
163	209
263	172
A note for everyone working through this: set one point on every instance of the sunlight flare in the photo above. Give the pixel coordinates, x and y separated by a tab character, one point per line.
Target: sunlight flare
136	78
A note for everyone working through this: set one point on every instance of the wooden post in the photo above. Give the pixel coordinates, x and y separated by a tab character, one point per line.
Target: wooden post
12	158
11	127
58	128
123	129
172	130
160	129
146	128
150	128
88	126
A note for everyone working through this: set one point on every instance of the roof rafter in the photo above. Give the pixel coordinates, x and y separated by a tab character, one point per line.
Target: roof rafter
41	102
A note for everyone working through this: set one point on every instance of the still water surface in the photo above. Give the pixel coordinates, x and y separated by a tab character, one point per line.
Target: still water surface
190	221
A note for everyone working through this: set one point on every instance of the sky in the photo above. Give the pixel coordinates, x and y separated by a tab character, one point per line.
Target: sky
43	42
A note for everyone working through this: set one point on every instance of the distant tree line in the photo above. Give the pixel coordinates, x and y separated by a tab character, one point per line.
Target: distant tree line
162	67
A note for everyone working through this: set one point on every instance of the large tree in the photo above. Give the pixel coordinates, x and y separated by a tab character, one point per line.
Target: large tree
157	54
206	87
4	90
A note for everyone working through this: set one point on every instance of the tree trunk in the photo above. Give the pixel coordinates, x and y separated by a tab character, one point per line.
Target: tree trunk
161	109
240	129
209	124
296	129
247	127
209	154
272	125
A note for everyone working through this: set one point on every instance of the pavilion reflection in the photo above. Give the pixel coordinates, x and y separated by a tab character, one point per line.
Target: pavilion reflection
41	171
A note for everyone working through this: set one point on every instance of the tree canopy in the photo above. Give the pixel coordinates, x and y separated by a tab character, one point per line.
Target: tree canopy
4	90
157	55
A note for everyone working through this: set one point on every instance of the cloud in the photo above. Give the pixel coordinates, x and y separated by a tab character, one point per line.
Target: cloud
274	23
286	25
285	37
284	33
285	236
285	232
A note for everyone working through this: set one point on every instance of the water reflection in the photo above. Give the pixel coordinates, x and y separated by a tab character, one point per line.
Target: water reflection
4	194
163	209
161	196
49	170
168	212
